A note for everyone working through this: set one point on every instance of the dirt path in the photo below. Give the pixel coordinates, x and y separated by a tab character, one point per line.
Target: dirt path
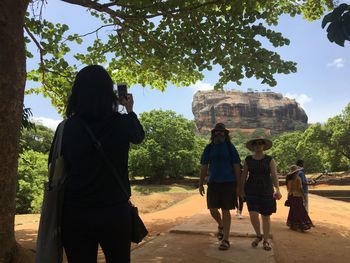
328	242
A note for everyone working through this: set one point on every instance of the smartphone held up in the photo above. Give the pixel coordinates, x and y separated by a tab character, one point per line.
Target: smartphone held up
122	91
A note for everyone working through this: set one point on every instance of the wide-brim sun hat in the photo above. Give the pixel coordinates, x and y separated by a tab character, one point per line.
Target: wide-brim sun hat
220	127
267	145
293	169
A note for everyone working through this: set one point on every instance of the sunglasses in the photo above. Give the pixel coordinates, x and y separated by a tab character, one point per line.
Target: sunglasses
258	143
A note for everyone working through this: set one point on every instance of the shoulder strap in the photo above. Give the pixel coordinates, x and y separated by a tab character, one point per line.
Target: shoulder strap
108	162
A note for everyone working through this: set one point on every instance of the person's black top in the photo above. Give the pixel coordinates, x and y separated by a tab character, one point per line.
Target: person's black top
259	180
90	183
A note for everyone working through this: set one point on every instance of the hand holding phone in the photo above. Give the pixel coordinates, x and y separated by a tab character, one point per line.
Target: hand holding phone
122	91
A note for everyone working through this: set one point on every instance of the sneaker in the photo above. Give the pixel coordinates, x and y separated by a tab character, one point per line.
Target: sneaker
240	216
238	213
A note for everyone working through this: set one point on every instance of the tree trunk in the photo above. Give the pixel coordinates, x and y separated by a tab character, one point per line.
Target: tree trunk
12	83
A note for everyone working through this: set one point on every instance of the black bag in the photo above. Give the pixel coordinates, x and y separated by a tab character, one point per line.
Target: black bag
287	203
138	229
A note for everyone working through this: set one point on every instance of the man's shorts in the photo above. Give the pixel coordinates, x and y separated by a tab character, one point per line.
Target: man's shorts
222	195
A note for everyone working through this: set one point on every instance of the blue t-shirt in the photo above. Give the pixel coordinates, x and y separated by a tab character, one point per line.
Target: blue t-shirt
220	163
304	181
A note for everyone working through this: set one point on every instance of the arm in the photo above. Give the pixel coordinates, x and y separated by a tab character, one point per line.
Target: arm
136	132
237	169
273	169
204	172
244	177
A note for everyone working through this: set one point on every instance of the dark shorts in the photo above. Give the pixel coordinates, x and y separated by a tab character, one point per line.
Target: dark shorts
222	195
264	204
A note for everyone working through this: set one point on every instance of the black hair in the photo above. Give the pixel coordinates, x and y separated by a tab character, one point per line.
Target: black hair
300	163
92	94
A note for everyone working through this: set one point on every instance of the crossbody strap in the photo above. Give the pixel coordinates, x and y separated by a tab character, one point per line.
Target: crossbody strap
108	162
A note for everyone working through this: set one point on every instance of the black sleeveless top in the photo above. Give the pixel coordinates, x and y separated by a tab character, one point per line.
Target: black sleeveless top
259	181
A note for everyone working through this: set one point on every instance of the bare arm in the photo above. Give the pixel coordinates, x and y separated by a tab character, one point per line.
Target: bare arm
273	169
244	177
237	169
204	172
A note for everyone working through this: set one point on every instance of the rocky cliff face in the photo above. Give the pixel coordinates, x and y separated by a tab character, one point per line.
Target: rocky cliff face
247	110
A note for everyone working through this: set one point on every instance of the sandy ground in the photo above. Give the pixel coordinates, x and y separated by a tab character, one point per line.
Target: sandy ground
329	241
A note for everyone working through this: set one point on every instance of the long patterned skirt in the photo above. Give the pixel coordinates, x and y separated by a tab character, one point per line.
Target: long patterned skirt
298	218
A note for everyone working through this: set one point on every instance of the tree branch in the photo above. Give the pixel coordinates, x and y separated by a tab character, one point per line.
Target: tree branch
92	32
41	50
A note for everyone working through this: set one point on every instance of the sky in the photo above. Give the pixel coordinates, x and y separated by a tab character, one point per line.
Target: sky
320	86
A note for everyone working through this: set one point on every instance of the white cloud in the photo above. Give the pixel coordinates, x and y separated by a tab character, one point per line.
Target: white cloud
302	99
200	85
337	63
50	123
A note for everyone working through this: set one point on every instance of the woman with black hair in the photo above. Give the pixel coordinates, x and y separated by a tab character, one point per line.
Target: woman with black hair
298	218
95	211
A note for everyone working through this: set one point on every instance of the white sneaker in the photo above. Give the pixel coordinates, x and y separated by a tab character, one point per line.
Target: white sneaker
240	216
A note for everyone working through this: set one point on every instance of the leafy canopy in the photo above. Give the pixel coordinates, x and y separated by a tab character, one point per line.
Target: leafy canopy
153	42
170	149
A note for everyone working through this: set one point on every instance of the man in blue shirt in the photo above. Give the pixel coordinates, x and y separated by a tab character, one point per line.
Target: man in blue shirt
304	182
220	161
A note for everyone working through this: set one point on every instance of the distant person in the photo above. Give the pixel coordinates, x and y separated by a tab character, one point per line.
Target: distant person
95	211
298	218
221	162
240	203
304	181
259	178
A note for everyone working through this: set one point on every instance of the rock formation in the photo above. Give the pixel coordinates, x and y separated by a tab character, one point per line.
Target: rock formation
247	111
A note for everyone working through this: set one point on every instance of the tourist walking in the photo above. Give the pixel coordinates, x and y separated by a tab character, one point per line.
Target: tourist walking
261	188
221	163
298	218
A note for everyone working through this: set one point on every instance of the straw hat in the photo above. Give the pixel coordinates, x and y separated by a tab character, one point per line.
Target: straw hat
294	168
267	145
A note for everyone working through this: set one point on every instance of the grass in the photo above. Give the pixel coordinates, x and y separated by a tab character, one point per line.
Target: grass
175	188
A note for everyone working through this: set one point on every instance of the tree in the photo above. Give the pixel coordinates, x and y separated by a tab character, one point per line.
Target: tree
37	138
339	24
32	173
171	148
284	149
332	139
151	42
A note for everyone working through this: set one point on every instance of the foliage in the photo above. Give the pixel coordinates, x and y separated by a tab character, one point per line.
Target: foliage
322	147
37	138
25	118
339	24
32	173
154	42
333	139
284	149
170	149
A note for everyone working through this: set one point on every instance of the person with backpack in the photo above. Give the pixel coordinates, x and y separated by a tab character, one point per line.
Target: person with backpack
220	161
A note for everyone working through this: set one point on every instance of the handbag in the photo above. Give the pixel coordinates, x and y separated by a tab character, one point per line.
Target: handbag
49	246
287	203
138	228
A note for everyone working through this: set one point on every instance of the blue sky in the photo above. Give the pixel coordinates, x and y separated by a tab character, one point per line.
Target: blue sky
321	84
